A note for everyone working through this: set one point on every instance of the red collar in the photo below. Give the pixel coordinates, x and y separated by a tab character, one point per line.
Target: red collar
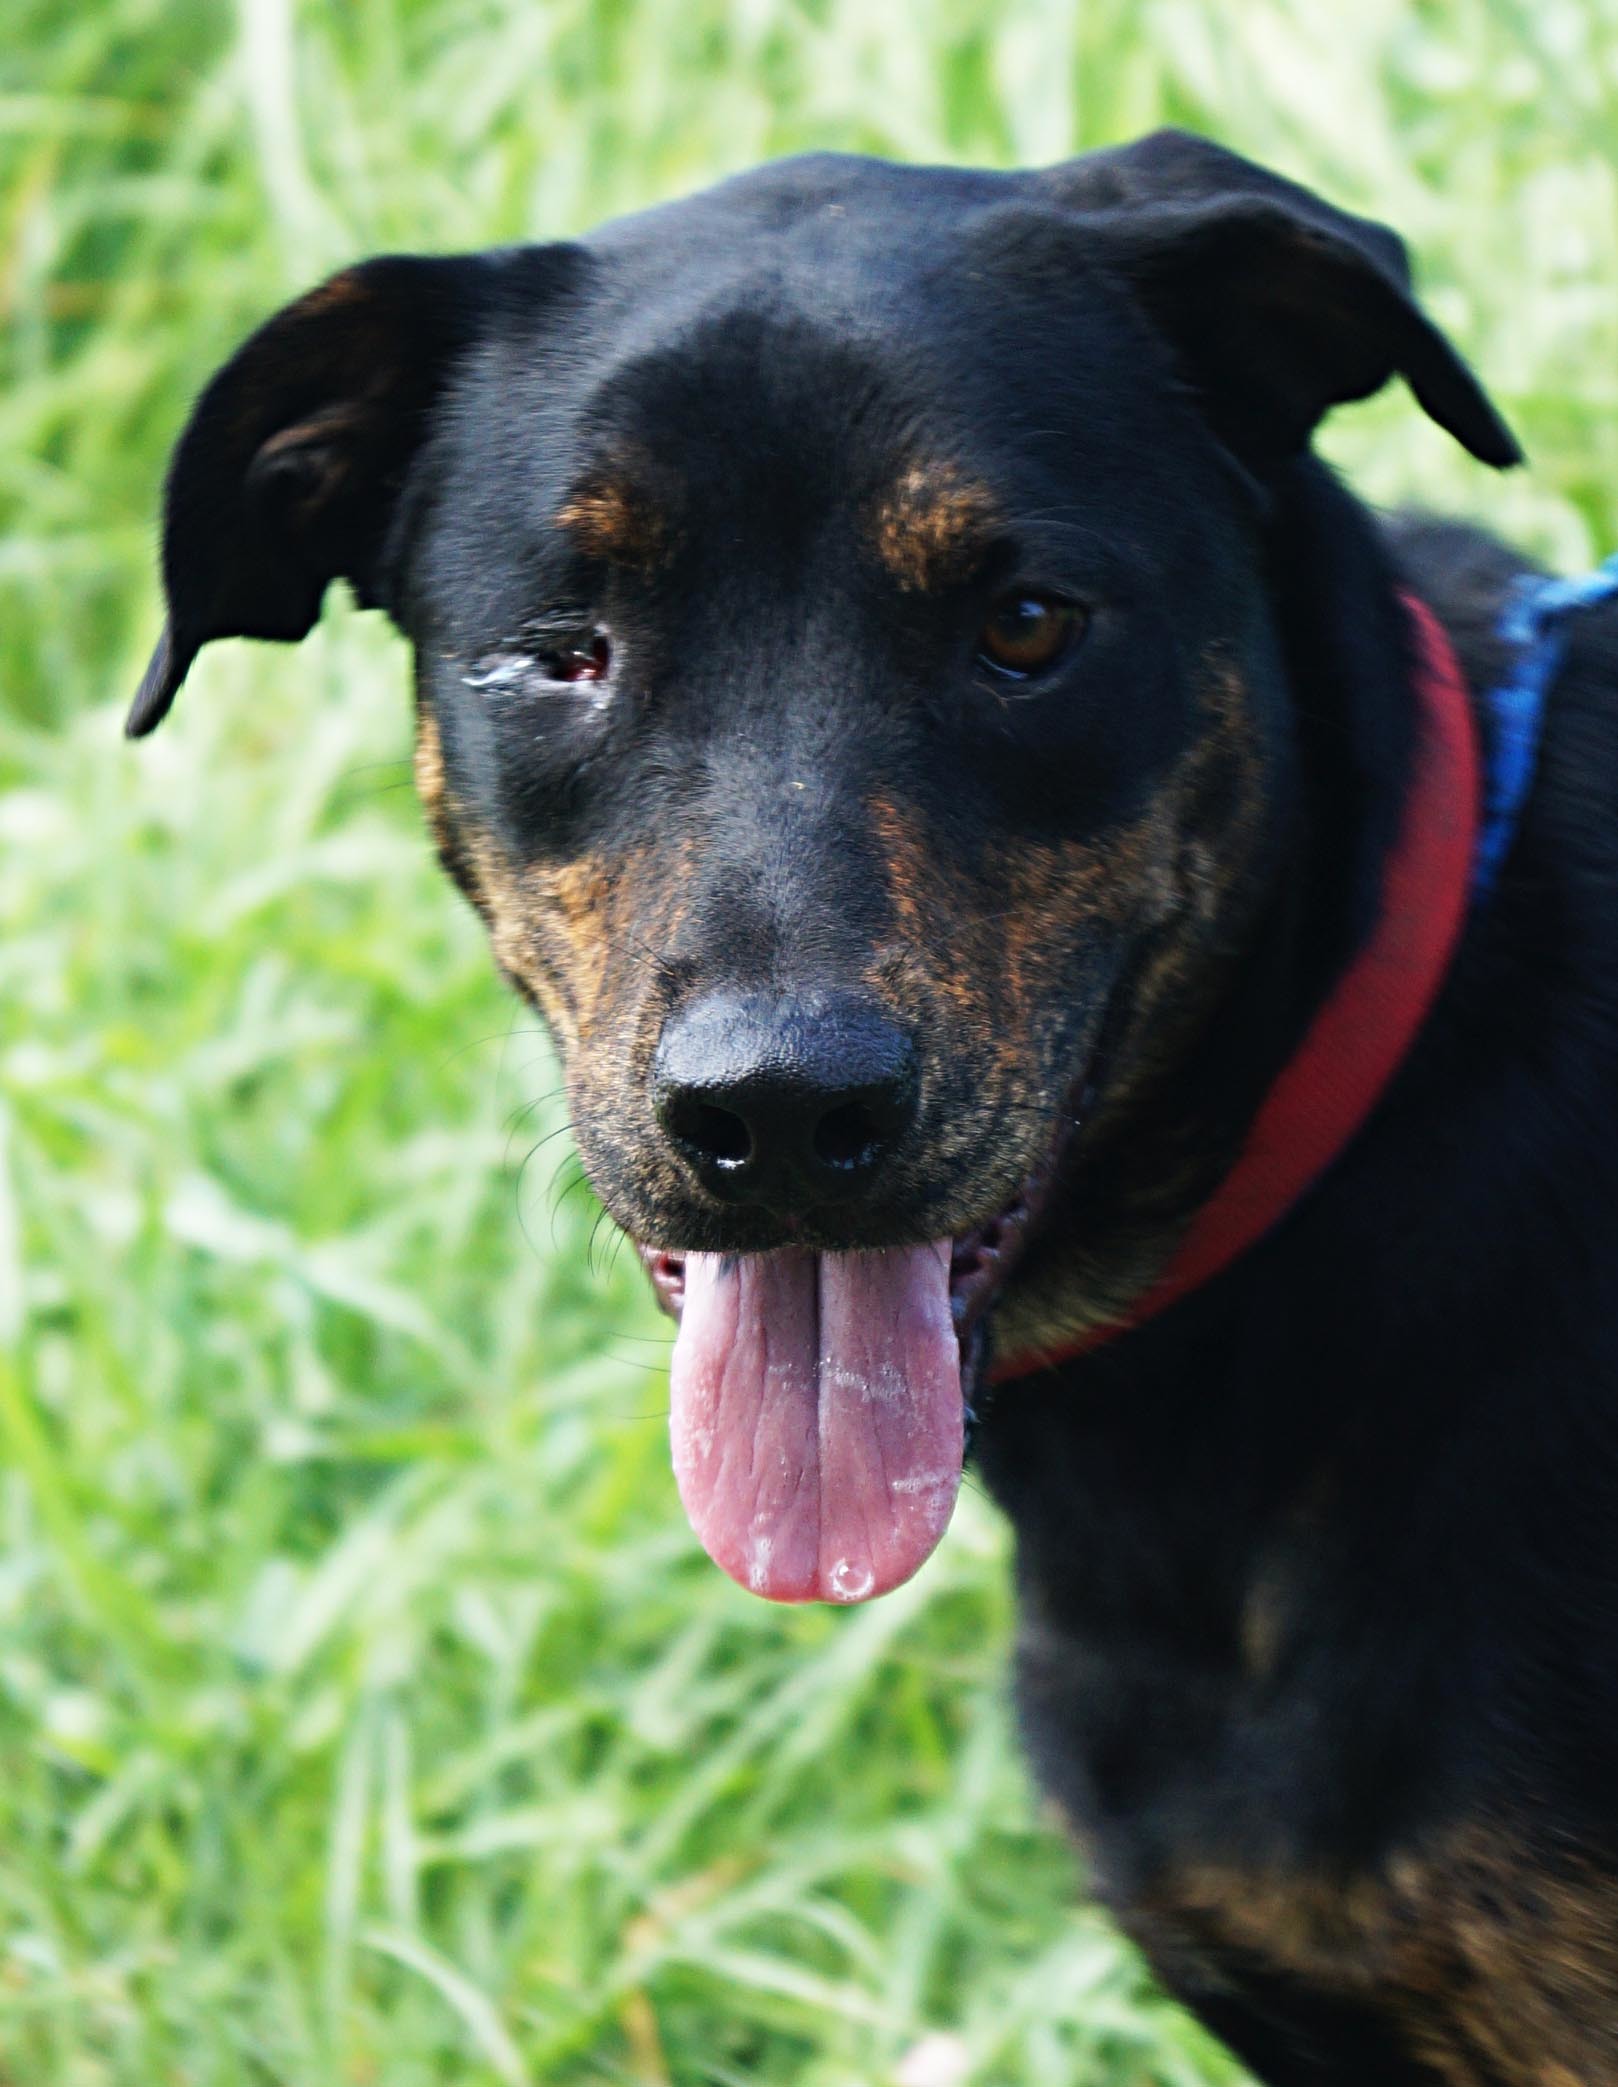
1366	1026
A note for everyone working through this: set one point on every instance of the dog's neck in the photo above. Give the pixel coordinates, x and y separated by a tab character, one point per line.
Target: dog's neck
1348	657
1348	651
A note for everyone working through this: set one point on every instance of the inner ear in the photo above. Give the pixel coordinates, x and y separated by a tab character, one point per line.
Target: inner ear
301	472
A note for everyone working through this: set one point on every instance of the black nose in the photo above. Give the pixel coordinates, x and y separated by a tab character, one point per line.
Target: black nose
784	1103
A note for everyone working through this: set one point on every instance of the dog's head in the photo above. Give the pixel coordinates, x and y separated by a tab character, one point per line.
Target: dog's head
849	692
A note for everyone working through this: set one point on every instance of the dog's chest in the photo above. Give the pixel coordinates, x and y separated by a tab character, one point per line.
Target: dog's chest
1485	1961
1487	1968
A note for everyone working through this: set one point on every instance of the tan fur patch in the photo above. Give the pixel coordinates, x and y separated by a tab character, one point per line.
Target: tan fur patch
930	527
432	789
614	518
1174	875
584	942
429	767
1003	947
520	937
1191	847
939	965
523	944
1495	1968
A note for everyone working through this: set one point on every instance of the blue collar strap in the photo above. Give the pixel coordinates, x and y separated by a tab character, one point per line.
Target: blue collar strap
1534	625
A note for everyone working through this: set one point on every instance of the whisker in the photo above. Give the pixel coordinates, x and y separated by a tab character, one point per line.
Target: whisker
514	1118
478	1043
580	1180
558	1131
348	788
590	1245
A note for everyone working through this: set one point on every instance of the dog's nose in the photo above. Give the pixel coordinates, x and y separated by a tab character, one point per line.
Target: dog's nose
784	1102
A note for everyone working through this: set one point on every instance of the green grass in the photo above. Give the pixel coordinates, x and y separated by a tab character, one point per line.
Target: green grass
367	1713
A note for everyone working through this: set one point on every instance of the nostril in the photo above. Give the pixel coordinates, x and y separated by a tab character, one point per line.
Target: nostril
848	1137
721	1134
714	1134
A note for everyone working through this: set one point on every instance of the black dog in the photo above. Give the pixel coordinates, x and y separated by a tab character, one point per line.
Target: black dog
986	816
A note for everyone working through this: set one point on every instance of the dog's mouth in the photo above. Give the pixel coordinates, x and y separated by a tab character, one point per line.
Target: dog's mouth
819	1402
979	1261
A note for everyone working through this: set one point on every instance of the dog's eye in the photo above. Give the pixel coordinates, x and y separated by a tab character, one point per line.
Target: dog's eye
584	656
588	660
1025	633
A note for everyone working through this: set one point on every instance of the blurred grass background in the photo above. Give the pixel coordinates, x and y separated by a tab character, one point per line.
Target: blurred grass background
367	1713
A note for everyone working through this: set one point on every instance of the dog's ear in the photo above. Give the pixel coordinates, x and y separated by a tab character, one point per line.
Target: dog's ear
1276	305
287	475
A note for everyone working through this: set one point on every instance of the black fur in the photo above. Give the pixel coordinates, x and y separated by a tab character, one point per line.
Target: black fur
1319	1569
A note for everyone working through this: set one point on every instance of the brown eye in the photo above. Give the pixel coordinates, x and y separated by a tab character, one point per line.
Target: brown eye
1026	633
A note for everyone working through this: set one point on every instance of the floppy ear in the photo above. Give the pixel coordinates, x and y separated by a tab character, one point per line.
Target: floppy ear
1276	305
288	473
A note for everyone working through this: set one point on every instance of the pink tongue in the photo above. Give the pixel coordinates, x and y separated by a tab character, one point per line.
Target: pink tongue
816	1417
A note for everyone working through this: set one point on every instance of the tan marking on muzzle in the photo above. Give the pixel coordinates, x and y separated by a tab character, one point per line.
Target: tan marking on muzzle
429	768
1170	885
518	939
584	940
1190	853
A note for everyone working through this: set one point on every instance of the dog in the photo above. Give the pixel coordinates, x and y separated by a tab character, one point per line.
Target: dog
986	817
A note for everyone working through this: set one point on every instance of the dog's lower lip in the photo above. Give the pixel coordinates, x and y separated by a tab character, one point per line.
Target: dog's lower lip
667	1272
983	1258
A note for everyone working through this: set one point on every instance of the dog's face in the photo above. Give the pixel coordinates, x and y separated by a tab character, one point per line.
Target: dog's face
818	691
848	691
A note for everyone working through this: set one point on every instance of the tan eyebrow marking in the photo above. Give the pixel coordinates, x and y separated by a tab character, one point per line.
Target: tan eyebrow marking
612	517
929	526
